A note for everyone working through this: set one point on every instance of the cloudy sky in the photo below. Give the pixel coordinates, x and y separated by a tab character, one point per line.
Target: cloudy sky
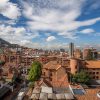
50	23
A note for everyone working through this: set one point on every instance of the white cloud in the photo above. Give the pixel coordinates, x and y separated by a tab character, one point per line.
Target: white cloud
90	22
17	35
47	34
24	42
56	16
53	16
3	2
9	9
11	31
8	22
56	46
49	16
87	31
70	35
50	38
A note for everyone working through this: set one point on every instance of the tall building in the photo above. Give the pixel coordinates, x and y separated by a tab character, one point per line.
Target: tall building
71	50
86	53
74	66
77	53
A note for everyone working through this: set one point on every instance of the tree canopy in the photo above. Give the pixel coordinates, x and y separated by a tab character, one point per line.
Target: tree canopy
1	62
91	55
81	77
35	71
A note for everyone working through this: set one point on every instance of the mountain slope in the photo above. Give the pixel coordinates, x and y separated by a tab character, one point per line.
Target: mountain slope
4	43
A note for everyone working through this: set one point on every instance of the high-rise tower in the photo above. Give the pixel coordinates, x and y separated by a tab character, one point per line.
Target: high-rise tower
71	50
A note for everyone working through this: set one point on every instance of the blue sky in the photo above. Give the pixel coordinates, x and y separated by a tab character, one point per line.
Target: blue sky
50	23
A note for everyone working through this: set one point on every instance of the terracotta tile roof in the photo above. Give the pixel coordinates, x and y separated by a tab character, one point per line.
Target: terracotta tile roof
93	64
43	82
91	94
52	65
63	82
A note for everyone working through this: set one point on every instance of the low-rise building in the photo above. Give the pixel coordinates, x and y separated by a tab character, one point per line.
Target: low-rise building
55	74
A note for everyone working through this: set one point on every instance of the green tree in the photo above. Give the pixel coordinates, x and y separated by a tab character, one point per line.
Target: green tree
81	77
2	62
35	71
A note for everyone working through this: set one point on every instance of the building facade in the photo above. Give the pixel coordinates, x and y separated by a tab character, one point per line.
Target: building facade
71	50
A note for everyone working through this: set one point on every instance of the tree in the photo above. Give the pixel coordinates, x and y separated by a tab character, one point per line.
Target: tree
1	69
2	62
35	71
81	77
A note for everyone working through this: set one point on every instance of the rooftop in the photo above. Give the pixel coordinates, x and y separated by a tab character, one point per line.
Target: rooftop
52	65
91	94
93	64
49	93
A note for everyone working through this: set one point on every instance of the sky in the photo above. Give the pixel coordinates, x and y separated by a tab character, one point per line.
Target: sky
50	24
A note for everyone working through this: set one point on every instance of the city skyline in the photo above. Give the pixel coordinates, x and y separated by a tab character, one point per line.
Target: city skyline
49	23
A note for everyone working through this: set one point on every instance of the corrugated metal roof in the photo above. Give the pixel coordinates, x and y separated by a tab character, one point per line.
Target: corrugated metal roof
35	96
52	96
46	89
69	96
60	96
36	90
61	90
43	96
46	93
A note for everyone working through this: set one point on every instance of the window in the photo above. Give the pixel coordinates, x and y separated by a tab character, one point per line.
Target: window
97	72
50	74
75	67
90	72
93	77
86	68
97	77
50	79
43	73
93	72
